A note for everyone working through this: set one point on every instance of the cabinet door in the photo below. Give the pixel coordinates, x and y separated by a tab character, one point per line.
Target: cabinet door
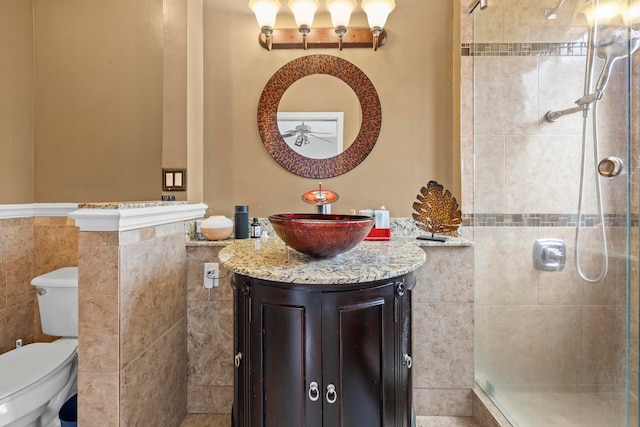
286	356
358	358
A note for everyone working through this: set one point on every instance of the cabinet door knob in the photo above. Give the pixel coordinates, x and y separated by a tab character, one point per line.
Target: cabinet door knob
408	361
332	396
237	359
314	393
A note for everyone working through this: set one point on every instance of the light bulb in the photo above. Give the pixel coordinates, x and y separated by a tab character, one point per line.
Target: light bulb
632	14
303	11
265	11
340	11
377	12
603	12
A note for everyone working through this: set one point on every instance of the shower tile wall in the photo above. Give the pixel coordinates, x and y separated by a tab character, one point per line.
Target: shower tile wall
29	247
443	371
540	330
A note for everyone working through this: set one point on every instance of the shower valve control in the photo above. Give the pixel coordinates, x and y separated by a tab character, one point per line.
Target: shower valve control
549	254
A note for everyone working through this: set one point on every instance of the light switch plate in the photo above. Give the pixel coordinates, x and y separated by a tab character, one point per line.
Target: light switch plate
174	179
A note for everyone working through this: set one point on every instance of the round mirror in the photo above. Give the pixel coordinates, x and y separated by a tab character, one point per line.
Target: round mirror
299	133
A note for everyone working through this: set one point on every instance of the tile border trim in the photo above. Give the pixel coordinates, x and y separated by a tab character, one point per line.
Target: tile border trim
545	220
524	49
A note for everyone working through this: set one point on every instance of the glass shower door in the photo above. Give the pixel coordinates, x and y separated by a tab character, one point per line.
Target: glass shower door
555	346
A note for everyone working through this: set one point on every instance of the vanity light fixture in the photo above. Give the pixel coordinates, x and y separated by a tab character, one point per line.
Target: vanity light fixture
341	11
304	11
377	13
265	11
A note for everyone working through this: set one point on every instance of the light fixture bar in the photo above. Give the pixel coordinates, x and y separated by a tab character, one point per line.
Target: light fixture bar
322	38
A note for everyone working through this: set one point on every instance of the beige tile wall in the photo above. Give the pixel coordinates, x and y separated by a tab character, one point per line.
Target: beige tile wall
443	330
210	336
132	344
17	301
98	317
442	335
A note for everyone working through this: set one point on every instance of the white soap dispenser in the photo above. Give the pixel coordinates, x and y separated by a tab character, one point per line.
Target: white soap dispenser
382	218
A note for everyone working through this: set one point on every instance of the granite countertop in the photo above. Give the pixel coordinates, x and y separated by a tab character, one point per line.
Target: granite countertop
270	259
128	205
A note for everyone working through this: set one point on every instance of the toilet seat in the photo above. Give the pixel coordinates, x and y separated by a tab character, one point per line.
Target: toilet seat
23	367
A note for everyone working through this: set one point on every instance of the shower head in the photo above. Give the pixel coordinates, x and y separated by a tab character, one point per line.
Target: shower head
551	13
619	45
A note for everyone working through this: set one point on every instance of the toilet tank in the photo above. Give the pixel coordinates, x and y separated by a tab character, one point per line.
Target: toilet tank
58	301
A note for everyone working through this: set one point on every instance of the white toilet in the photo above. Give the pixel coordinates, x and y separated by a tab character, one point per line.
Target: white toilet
37	379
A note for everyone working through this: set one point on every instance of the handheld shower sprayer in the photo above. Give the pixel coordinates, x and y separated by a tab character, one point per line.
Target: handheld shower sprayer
619	45
551	13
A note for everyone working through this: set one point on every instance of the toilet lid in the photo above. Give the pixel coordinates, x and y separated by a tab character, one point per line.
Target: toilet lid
62	277
28	364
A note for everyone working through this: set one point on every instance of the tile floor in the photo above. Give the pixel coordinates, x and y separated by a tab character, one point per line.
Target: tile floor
216	420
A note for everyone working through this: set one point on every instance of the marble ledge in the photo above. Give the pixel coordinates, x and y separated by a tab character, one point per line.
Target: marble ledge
450	242
270	259
126	216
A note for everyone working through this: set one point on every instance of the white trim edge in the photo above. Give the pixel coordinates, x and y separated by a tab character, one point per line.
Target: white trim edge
54	209
36	209
92	219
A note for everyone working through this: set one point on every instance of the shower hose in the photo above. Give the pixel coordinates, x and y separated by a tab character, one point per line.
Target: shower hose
583	177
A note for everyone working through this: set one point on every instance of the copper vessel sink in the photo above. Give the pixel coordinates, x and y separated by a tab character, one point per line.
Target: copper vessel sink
321	235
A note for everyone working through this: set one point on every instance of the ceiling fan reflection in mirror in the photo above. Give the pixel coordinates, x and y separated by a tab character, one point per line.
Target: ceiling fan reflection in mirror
303	133
315	135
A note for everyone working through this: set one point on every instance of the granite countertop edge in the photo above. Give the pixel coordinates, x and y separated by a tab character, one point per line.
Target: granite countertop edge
450	242
272	260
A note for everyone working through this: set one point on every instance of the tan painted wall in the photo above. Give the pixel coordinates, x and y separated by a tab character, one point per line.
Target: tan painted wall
16	102
98	88
412	74
98	119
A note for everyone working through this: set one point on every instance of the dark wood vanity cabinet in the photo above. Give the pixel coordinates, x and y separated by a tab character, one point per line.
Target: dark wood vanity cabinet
322	355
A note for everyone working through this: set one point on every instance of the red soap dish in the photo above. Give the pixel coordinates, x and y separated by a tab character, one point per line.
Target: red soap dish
379	234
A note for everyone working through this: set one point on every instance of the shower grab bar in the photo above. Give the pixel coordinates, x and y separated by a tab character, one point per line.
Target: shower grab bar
475	3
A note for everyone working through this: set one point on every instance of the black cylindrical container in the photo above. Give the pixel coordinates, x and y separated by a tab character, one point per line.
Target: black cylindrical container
241	218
